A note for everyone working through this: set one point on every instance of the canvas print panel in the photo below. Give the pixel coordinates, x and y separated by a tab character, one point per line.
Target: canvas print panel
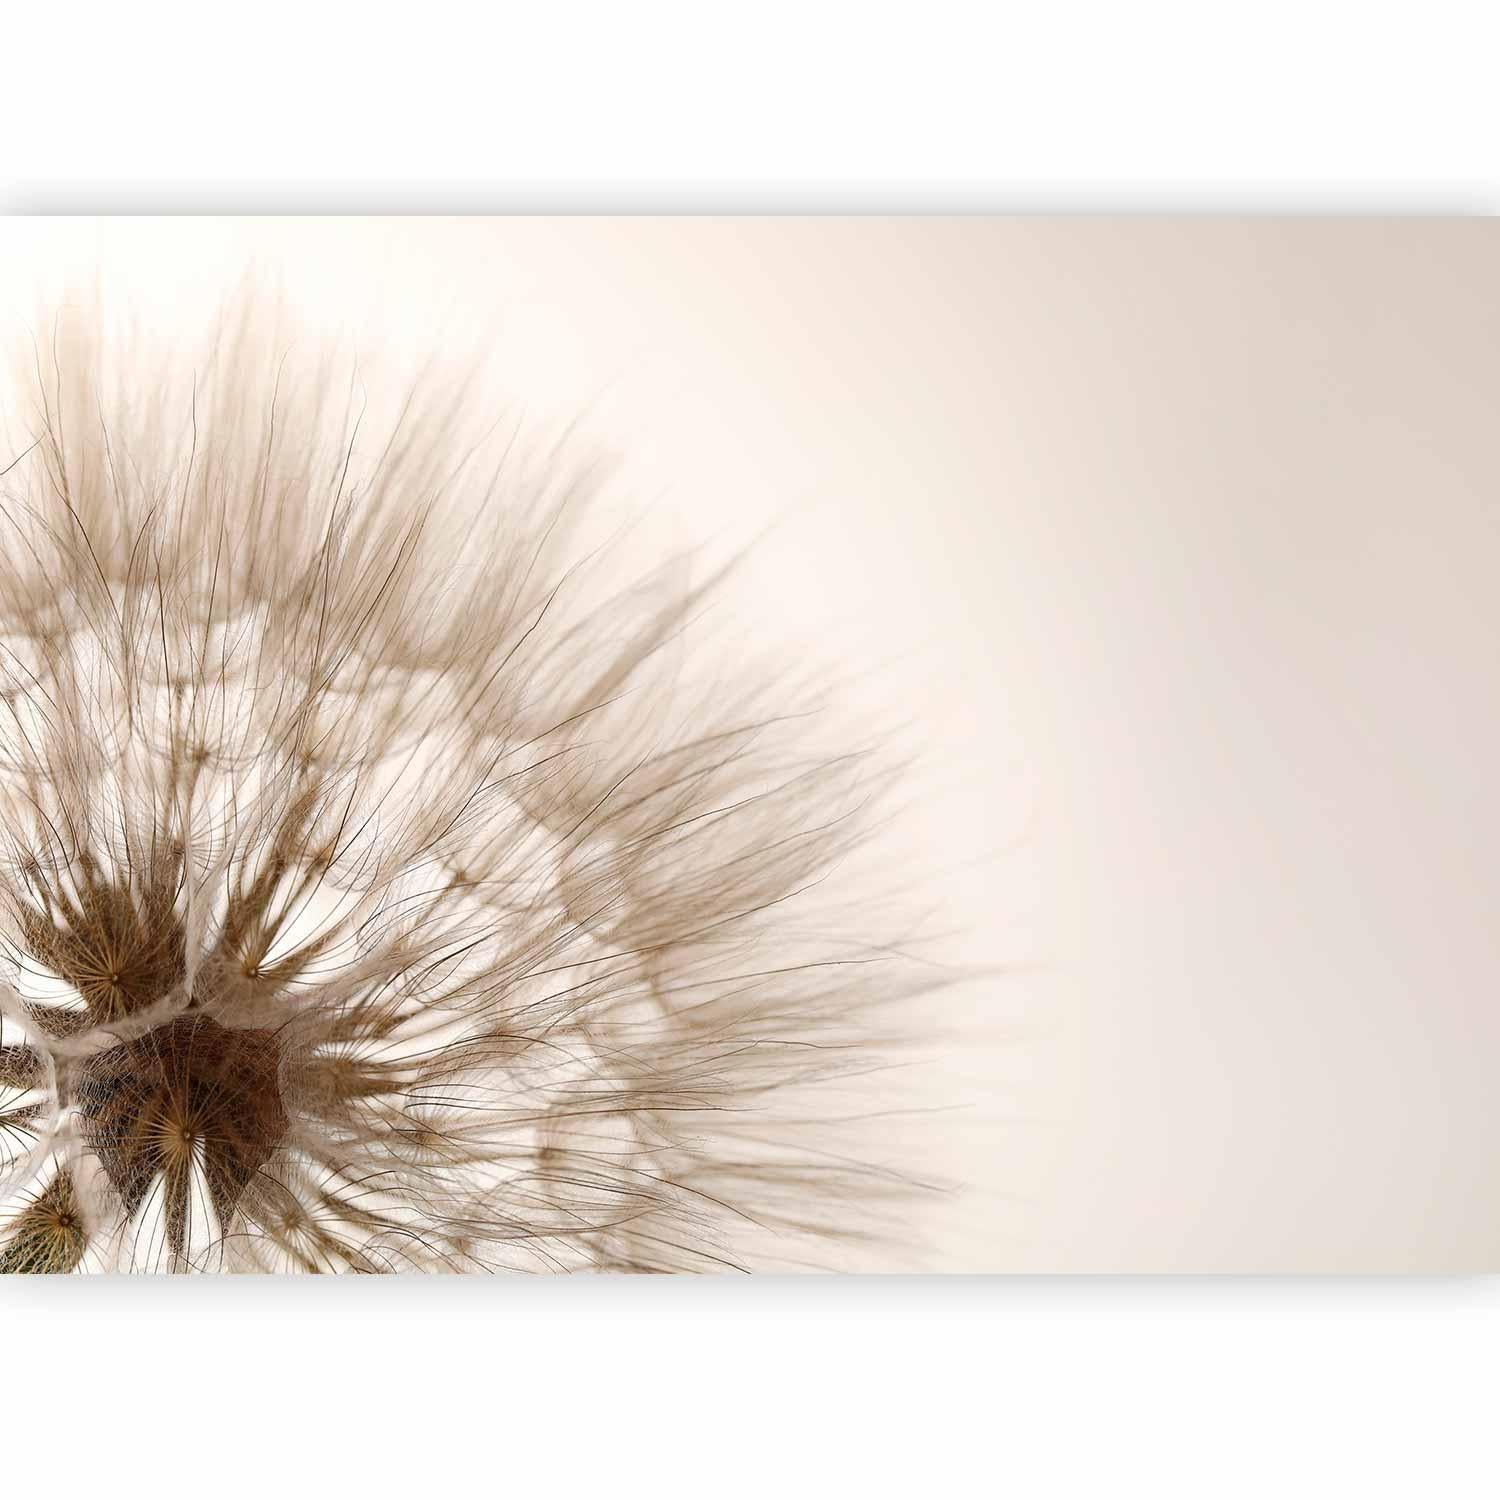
746	745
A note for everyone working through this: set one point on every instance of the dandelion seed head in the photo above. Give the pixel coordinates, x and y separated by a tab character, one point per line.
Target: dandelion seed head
376	891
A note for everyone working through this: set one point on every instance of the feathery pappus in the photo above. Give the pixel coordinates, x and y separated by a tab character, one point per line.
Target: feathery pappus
380	890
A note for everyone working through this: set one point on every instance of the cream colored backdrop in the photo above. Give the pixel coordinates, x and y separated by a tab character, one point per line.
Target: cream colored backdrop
1178	542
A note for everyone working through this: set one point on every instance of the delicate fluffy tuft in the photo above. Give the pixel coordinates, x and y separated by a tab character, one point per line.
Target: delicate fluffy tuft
379	888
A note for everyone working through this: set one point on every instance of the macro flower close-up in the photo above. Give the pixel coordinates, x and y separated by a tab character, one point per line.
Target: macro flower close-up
382	886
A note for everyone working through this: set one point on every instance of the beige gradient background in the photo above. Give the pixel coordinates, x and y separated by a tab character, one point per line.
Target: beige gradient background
1177	540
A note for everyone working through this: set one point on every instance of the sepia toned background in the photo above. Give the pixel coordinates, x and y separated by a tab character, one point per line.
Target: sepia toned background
1174	543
